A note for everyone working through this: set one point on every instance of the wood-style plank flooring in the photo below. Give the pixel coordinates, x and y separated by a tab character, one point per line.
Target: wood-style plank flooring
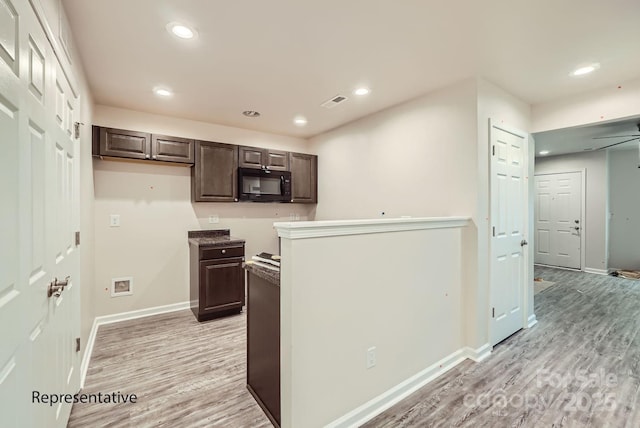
184	373
579	367
190	374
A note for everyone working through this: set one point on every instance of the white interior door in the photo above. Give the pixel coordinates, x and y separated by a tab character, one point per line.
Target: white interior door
558	213
39	182
508	208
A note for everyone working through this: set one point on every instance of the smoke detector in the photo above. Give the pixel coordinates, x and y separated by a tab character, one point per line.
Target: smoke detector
331	103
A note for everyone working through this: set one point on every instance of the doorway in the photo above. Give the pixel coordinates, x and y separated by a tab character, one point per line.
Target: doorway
508	264
558	221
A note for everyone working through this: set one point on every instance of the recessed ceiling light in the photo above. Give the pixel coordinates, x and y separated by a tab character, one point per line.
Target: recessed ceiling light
162	92
362	91
544	152
181	30
300	121
251	113
581	71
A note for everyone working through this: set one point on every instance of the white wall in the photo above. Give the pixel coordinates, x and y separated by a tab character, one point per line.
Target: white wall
397	291
613	102
624	206
154	202
426	157
418	159
595	227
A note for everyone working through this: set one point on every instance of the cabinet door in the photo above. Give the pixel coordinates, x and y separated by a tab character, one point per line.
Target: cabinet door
277	160
125	144
215	174
304	178
171	149
255	157
221	284
251	157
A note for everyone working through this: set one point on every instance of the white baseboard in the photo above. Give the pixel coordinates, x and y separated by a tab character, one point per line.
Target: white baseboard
532	320
401	391
123	316
479	354
596	271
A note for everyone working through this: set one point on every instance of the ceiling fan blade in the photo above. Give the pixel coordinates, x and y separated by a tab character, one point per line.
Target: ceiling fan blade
615	144
616	136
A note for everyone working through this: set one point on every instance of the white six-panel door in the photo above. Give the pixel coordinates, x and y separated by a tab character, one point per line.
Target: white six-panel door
39	184
508	205
558	213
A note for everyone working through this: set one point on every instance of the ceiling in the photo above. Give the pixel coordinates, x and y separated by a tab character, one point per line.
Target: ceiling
581	138
284	58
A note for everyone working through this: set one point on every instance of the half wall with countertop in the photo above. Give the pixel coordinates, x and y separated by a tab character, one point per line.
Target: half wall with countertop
352	290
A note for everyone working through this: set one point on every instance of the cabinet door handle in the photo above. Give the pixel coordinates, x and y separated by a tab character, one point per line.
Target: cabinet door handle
224	251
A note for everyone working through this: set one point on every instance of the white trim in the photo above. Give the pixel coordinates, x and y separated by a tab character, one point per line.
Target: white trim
479	354
596	271
382	402
316	229
123	316
88	350
531	321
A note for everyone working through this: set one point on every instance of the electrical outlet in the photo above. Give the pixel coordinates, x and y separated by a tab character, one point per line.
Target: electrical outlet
214	219
114	220
371	357
292	216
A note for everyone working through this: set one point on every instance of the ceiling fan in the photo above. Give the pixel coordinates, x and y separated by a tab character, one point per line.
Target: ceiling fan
633	137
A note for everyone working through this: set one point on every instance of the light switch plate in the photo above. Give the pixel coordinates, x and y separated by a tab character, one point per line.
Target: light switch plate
114	220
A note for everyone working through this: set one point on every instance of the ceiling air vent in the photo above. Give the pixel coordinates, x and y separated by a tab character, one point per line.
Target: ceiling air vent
334	101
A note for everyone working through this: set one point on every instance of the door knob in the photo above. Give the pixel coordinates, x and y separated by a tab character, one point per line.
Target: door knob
55	287
523	243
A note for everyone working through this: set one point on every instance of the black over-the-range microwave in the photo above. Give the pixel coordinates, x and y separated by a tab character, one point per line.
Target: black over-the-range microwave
264	185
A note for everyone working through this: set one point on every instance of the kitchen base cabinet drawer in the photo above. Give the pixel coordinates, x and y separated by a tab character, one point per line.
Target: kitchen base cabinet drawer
221	252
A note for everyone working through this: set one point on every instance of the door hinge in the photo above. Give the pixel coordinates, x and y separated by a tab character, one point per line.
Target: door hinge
493	150
77	238
494	231
493	312
77	344
76	129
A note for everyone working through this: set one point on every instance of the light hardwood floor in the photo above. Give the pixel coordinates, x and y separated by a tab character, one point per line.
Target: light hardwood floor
190	374
552	375
184	373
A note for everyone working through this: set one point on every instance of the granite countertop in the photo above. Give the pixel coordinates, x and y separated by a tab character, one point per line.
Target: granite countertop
273	276
213	238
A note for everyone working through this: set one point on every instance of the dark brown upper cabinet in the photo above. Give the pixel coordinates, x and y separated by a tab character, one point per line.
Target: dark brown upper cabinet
214	177
172	149
255	157
121	143
124	144
304	178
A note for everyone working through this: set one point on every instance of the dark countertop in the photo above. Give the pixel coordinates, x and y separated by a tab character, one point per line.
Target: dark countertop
273	276
213	238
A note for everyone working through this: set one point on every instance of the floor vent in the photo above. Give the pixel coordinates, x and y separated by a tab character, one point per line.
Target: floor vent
334	101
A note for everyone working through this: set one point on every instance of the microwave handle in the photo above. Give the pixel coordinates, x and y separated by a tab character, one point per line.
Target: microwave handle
282	184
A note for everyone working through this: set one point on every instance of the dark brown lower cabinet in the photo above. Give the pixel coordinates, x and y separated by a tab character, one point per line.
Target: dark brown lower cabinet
263	344
217	284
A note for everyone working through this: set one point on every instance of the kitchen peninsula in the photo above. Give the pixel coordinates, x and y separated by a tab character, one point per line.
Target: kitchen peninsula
263	338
